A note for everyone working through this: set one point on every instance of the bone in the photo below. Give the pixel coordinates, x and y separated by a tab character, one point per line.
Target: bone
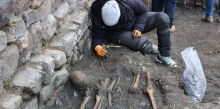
109	99
100	104
149	90
110	88
116	84
129	59
85	100
93	63
98	100
112	85
134	85
105	83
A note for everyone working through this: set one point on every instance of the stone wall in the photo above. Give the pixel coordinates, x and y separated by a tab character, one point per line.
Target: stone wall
39	39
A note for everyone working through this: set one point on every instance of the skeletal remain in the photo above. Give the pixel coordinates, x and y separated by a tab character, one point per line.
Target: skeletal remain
116	84
99	97
129	59
109	99
98	100
134	85
105	83
93	63
150	90
109	93
100	104
112	85
85	100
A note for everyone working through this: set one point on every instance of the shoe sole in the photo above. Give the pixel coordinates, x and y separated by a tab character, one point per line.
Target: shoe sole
175	66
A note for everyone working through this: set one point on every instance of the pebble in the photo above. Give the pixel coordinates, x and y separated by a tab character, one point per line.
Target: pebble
75	93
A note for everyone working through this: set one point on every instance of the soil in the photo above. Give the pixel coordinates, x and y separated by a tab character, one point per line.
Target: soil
167	83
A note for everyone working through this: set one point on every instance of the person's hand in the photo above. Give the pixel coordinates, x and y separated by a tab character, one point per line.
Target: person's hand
136	33
100	50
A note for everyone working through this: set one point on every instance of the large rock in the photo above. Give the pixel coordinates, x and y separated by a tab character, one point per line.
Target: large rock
9	59
55	4
60	77
46	93
48	64
45	9
52	100
15	29
25	45
64	42
32	104
28	78
49	26
30	16
6	12
11	102
36	3
1	84
80	18
20	5
37	35
73	5
61	11
3	40
59	56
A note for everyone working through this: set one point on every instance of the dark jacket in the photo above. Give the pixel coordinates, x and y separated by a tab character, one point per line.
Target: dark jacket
133	17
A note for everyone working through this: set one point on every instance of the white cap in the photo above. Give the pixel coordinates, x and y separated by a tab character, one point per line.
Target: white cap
111	13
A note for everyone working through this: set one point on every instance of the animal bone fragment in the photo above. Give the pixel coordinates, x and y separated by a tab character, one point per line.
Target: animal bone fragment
134	85
150	90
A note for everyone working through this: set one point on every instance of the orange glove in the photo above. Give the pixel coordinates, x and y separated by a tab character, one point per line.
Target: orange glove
136	33
100	50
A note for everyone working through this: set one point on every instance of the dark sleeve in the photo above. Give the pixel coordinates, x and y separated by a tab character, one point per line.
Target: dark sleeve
98	33
140	10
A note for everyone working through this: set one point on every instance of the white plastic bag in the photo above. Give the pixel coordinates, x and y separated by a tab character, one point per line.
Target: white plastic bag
193	77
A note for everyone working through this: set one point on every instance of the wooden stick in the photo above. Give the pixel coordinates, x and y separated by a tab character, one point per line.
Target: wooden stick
150	90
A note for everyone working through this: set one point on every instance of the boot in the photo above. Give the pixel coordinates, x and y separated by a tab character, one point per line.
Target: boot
168	61
208	19
172	29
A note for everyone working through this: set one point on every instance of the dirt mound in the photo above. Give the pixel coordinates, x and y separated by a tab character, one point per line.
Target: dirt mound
167	83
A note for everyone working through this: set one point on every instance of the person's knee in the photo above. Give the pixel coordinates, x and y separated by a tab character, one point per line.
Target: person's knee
146	47
163	18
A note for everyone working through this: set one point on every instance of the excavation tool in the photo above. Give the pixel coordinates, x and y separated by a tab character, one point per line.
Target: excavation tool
85	100
134	85
150	90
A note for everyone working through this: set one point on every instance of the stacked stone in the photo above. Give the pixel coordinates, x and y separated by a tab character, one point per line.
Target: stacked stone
39	39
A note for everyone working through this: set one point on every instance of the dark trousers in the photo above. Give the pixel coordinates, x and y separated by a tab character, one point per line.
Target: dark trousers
157	20
170	8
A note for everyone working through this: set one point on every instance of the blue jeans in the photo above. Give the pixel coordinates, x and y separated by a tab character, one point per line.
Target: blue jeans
210	6
170	8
